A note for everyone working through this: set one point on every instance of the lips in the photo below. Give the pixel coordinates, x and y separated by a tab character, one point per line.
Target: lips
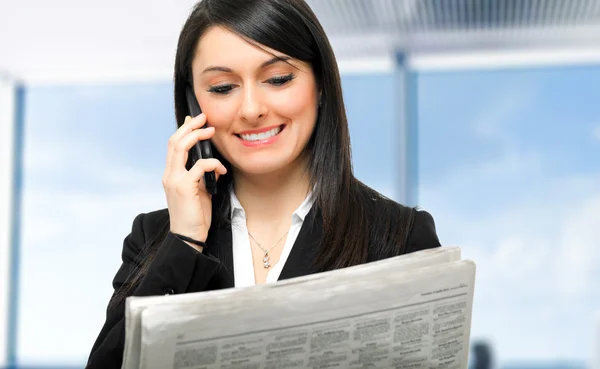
262	137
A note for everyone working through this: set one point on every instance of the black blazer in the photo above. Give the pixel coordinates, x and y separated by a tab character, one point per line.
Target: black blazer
178	268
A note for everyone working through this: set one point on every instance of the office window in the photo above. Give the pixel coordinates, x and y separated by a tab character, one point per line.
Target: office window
93	160
508	166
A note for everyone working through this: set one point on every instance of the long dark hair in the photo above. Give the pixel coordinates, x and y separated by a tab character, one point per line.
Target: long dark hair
345	206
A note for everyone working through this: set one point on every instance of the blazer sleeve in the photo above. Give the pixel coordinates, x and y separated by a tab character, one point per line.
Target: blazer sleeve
422	234
173	268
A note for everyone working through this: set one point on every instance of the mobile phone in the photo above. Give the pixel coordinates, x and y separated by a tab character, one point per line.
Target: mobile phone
201	149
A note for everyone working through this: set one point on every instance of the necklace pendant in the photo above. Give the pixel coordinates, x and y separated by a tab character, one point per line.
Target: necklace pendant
266	260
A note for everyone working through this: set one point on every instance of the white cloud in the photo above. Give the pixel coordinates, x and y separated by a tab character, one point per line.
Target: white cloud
71	248
578	259
493	115
596	133
537	265
511	163
45	158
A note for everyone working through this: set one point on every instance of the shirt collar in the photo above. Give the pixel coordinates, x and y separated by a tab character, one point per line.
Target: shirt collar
300	212
305	207
236	207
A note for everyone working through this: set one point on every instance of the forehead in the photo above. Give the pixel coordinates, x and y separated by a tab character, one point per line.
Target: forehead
219	46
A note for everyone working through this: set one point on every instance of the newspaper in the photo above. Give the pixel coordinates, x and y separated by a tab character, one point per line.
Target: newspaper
411	311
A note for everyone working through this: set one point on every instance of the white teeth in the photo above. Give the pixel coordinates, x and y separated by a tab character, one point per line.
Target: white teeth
261	136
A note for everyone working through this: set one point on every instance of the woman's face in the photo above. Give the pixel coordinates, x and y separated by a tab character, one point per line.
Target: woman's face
263	109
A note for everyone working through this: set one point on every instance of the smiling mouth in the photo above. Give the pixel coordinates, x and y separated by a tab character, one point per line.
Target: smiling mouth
255	137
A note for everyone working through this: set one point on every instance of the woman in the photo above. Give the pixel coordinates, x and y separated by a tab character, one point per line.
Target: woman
287	202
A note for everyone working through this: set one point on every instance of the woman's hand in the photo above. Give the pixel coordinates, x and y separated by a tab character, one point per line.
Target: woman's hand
190	206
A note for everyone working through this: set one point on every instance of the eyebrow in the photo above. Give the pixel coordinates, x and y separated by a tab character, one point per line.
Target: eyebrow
271	61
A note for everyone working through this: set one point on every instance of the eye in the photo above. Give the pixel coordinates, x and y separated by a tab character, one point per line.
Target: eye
221	89
281	80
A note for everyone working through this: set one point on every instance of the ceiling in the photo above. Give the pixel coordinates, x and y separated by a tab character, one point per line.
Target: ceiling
441	25
75	40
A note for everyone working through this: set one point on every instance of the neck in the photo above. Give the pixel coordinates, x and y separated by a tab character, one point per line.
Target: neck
274	196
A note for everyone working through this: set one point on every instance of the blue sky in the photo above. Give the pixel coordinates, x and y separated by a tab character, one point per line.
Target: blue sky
507	163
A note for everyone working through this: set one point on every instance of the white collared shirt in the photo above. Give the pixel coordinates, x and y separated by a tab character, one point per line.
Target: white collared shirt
243	264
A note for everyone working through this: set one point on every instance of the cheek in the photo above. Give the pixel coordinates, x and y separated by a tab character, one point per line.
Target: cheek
219	114
296	104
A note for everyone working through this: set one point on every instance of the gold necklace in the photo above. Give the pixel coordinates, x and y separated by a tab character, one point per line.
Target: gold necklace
266	256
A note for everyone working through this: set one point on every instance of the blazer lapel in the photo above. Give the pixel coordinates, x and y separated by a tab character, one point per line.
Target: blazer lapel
302	257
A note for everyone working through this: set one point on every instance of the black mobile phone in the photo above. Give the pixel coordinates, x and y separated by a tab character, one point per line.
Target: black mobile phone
202	149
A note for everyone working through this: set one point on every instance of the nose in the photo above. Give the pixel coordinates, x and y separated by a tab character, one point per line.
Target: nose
253	107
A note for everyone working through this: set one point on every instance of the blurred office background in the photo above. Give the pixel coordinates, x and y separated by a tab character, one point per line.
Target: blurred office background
486	113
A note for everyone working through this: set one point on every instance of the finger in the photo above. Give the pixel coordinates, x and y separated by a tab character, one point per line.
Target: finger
171	145
206	165
182	148
189	125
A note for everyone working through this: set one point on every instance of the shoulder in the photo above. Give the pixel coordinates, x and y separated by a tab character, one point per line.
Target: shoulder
153	221
422	235
146	227
417	225
381	207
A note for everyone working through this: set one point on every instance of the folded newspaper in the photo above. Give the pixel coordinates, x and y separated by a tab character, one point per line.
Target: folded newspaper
410	311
